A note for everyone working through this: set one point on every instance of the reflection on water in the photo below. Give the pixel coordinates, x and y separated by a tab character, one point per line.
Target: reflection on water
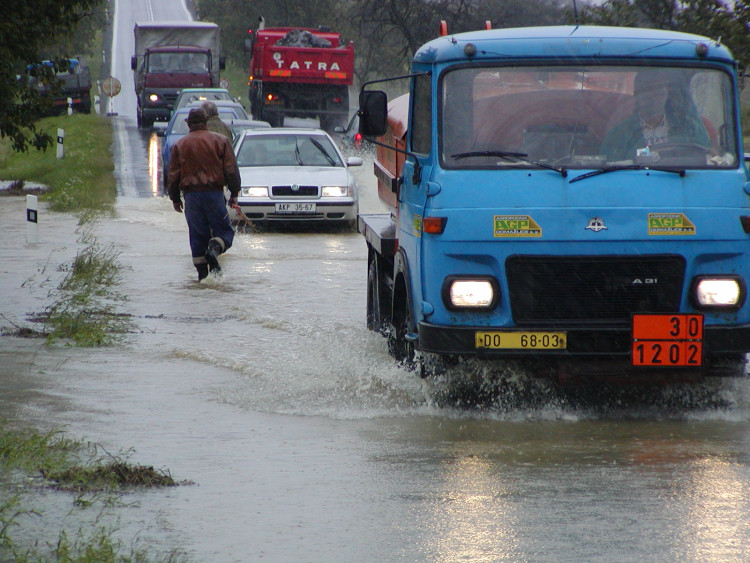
154	164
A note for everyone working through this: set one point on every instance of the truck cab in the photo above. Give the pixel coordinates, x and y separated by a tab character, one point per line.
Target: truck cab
575	196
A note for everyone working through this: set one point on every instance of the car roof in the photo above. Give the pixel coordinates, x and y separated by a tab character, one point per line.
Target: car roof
188	90
219	103
287	131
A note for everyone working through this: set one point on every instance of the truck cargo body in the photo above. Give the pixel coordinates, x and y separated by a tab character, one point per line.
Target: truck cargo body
530	221
170	56
300	80
73	87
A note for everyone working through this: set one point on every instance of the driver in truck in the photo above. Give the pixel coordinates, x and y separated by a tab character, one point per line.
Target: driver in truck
664	114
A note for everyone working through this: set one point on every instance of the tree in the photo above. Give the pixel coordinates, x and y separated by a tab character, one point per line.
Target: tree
716	19
29	30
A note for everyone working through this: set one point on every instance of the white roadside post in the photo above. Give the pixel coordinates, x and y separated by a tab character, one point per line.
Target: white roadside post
70	106
60	143
32	229
97	104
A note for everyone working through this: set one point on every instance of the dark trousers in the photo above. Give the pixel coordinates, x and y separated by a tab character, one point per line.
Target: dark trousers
207	219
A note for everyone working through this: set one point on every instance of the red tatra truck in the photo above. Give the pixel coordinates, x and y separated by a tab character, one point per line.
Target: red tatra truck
300	72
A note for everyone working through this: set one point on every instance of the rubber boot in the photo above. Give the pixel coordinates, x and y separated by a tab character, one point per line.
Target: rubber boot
202	271
212	256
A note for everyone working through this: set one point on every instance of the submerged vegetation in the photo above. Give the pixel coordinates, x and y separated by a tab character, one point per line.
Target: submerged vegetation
86	301
51	460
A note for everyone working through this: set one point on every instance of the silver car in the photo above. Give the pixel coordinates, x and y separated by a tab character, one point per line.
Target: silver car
295	175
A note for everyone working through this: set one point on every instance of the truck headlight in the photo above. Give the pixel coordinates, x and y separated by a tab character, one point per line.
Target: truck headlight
335	191
461	292
714	291
153	97
254	191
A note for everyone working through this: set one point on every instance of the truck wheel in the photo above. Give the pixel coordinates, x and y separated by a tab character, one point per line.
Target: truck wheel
398	346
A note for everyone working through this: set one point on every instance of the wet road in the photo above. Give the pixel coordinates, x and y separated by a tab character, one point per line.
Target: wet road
304	441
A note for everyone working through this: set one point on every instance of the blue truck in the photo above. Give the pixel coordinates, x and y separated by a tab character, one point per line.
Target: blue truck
571	196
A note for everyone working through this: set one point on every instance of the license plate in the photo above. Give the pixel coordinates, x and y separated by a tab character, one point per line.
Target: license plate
295	207
496	340
668	340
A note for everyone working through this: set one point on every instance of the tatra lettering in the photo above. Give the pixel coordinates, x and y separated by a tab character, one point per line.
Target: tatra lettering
294	65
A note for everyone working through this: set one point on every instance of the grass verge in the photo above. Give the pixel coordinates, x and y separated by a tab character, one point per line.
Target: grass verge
81	182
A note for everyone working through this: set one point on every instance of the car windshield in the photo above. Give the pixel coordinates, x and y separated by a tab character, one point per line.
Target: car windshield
287	150
587	117
180	126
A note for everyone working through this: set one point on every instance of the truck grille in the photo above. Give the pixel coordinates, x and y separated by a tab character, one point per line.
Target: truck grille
574	289
287	191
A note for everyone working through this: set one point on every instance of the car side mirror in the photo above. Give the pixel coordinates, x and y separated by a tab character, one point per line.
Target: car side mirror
373	113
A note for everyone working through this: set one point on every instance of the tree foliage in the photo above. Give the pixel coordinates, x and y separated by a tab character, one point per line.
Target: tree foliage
31	31
386	33
716	19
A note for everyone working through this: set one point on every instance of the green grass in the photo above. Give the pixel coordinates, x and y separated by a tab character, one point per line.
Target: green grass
81	181
85	307
71	466
237	77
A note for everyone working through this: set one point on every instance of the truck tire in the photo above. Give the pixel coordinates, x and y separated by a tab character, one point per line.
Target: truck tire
398	346
377	302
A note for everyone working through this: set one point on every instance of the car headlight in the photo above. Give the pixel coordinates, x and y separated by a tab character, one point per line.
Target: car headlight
335	191
470	293
154	97
254	191
712	291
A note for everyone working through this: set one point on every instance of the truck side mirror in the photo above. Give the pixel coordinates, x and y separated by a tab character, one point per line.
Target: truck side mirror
248	46
373	113
133	61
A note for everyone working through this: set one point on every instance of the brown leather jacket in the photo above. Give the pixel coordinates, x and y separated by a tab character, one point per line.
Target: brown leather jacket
202	161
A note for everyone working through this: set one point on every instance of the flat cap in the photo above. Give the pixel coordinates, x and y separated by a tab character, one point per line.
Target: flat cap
196	115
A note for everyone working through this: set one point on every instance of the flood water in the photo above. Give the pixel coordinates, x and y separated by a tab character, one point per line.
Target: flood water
295	435
302	440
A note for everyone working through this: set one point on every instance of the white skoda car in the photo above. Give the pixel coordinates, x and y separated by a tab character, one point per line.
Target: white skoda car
295	175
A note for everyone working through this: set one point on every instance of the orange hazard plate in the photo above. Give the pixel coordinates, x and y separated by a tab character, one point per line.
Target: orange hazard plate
667	340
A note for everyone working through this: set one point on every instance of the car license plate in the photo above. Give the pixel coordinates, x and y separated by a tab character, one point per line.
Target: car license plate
668	340
520	340
294	207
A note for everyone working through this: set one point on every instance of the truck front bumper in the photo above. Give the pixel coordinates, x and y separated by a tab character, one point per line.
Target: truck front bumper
581	342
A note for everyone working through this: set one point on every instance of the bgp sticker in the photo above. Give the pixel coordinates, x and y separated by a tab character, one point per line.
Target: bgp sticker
515	226
670	224
418	225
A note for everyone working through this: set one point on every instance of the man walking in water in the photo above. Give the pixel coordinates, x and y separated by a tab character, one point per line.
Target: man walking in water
200	164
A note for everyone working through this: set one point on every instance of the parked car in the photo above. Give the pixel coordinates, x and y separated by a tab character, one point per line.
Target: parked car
295	175
189	95
177	127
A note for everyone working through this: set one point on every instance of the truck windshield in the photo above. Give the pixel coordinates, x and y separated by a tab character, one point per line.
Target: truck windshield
588	117
179	62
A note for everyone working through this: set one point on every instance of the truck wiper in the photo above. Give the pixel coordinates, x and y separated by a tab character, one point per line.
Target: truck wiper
681	172
513	157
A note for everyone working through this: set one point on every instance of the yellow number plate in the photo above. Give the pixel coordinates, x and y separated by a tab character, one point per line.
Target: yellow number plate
520	340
